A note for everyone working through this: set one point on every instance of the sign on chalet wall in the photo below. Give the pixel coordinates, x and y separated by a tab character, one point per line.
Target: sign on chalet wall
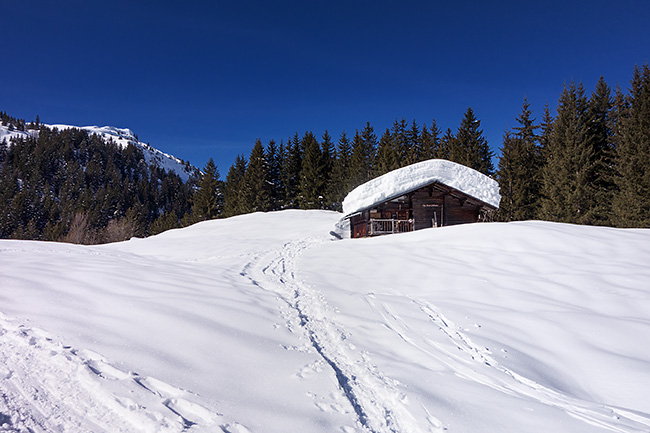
431	193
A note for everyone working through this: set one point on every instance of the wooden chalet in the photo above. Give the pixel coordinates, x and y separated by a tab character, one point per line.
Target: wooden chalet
432	203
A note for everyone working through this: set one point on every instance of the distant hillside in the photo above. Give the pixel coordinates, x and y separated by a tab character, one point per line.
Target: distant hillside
87	184
121	136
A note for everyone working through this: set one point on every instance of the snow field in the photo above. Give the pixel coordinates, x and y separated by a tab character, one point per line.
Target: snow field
47	386
546	320
266	323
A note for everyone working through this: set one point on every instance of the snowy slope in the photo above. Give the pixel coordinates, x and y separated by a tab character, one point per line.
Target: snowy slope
6	134
122	137
266	323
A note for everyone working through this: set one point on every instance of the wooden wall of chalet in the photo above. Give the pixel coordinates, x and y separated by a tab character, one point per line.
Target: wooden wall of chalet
359	225
460	211
435	205
431	206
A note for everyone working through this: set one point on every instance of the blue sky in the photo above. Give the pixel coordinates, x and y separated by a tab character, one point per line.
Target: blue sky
203	79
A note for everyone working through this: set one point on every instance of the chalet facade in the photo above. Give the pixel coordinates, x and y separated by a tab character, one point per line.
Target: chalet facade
433	193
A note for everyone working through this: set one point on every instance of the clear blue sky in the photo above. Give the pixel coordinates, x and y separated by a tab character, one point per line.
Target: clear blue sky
203	79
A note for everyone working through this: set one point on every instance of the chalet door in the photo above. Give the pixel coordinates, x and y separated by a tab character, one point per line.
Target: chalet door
432	215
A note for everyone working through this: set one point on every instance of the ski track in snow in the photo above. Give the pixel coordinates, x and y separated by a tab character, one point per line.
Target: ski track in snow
475	363
46	386
379	406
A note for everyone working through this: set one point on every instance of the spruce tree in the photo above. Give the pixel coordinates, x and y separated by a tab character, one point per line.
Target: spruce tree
519	171
566	194
311	174
386	159
430	139
328	159
471	147
274	156
546	127
507	175
291	171
256	191
233	204
413	144
400	141
448	146
341	181
364	147
208	199
632	203
600	139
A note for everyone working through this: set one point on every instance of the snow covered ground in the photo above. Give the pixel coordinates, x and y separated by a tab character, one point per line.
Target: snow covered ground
268	323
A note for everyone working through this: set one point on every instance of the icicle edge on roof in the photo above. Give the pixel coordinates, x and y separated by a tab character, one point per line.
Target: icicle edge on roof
406	179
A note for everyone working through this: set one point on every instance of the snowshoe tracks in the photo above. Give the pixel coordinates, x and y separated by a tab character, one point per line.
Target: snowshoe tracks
49	386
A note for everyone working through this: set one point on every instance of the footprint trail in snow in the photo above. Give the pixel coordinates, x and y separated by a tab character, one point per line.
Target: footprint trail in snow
46	386
375	399
475	363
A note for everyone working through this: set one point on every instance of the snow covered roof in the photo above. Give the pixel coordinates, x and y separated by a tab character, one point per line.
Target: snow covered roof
406	179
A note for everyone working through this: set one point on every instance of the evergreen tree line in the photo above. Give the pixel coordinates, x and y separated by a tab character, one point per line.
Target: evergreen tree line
71	186
308	173
588	165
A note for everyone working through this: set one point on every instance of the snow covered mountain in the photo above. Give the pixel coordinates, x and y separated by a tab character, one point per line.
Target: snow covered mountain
122	137
269	323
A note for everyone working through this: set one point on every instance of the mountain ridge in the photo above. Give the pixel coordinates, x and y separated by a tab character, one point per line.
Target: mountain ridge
121	136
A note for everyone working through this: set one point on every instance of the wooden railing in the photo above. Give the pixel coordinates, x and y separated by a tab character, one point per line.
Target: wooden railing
385	226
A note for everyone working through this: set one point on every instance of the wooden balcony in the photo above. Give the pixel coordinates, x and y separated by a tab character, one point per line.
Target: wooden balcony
387	226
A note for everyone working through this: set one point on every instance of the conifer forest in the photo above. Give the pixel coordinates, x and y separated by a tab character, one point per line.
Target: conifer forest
584	161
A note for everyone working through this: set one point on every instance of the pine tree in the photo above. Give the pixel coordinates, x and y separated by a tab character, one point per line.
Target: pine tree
341	182
546	131
328	159
208	199
430	139
448	146
233	204
358	162
507	175
400	142
312	186
274	156
386	158
291	171
519	173
364	147
632	203
566	175
256	191
413	144
471	147
600	138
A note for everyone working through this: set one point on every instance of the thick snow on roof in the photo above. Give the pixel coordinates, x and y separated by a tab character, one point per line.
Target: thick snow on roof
412	177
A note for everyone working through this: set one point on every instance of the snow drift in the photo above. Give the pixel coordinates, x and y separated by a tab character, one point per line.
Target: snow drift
265	323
